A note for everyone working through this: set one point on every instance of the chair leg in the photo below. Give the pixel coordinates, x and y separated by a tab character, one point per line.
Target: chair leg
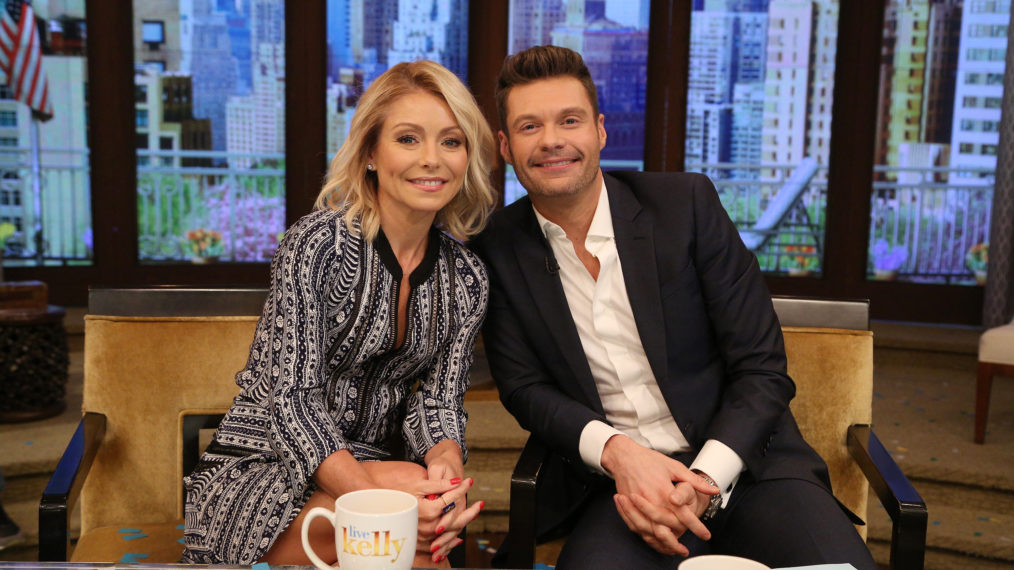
983	387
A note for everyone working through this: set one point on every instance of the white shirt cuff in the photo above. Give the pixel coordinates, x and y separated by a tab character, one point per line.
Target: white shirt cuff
593	440
721	463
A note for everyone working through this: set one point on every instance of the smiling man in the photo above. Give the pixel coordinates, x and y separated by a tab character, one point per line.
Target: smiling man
631	330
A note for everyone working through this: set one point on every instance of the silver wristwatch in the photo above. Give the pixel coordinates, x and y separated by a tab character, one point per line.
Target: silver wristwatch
716	500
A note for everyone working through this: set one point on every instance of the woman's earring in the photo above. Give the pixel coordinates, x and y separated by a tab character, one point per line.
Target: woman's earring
370	167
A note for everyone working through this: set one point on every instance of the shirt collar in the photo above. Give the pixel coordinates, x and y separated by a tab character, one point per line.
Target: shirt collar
601	224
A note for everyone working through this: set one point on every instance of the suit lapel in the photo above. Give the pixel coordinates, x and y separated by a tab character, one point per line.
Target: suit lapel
551	303
634	230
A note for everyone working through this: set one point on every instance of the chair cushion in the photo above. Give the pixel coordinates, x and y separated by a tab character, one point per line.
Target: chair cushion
149	543
143	373
996	345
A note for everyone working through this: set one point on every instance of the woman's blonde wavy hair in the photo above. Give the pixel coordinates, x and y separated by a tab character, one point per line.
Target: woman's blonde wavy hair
349	185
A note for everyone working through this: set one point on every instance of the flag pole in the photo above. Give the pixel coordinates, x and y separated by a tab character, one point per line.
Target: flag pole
37	191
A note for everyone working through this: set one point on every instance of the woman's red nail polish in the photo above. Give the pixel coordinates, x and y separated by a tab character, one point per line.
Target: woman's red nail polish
439	558
440	530
432	497
456	480
482	505
434	548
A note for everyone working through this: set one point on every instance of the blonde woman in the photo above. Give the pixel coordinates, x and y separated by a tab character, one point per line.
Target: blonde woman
366	338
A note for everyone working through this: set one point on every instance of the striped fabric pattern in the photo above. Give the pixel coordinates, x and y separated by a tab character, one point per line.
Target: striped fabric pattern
325	374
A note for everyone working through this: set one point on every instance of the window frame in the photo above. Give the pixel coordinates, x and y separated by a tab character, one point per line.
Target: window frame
853	126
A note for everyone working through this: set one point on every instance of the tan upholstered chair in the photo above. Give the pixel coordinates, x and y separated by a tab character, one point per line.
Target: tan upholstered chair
830	357
996	358
159	365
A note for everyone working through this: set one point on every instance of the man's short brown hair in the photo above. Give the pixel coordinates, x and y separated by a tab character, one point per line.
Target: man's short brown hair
542	62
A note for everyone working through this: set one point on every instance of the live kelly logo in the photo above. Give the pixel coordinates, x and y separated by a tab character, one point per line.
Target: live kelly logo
370	543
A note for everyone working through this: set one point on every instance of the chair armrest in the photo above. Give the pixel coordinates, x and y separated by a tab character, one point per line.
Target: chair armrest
64	487
521	522
903	503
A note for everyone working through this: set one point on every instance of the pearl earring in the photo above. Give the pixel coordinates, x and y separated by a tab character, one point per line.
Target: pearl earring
370	167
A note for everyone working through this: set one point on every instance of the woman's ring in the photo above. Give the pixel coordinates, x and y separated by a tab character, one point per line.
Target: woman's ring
448	507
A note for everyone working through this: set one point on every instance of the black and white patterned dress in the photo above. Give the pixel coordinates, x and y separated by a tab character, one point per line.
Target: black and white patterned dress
324	374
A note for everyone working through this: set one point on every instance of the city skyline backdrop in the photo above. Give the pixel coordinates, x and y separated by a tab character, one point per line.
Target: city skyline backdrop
209	107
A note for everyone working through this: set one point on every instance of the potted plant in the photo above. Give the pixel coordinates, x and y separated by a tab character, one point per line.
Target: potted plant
887	260
802	260
977	260
204	245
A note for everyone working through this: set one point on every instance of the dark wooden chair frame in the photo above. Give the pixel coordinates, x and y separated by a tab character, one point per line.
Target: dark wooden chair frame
983	390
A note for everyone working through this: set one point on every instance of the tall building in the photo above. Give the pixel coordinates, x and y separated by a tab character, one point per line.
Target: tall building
728	58
432	29
979	88
709	93
255	123
617	58
208	59
340	48
157	34
377	33
941	70
163	111
902	82
747	128
823	51
791	26
532	22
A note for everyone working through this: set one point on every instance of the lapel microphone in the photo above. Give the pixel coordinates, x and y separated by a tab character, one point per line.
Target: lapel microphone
552	267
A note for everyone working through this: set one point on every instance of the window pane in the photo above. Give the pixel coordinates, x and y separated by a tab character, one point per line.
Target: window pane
365	39
759	121
48	223
210	108
612	37
937	133
152	32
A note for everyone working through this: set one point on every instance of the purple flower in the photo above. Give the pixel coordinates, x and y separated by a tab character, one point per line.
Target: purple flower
887	257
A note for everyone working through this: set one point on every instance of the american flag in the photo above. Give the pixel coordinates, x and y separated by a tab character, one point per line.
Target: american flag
21	57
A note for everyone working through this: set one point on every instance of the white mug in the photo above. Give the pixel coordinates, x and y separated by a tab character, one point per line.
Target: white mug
720	562
374	529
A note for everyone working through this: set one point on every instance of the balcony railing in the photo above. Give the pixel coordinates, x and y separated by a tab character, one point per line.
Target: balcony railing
926	218
929	218
934	216
246	206
779	209
66	237
177	192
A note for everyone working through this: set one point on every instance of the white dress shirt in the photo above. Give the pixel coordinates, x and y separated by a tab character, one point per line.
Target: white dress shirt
627	387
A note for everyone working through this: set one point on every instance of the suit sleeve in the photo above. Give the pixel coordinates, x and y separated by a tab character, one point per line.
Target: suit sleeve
527	389
757	388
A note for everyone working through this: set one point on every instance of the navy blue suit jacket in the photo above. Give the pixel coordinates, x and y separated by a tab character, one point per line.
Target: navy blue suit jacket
703	313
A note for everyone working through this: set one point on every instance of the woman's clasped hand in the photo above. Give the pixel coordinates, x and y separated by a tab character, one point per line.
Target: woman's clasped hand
442	516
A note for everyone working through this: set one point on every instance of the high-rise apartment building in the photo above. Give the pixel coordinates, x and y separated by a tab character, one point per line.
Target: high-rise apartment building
979	87
532	22
709	102
255	123
942	49
157	34
208	59
787	82
436	30
903	81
